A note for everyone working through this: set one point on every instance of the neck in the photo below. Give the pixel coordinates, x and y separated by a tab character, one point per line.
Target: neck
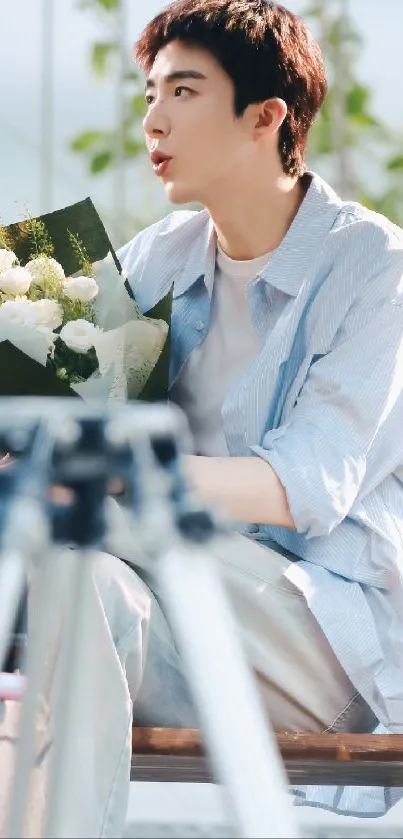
250	221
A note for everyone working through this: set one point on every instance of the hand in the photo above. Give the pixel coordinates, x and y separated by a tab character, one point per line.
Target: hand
64	495
5	461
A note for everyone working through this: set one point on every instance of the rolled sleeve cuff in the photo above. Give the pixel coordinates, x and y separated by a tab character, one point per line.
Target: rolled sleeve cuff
317	501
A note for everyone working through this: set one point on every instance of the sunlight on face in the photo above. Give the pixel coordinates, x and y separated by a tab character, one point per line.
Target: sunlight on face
190	119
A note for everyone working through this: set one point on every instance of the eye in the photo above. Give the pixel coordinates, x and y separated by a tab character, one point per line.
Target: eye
181	89
149	98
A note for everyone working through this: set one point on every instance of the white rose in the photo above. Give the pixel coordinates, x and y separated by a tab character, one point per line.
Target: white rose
7	259
18	311
44	267
79	335
47	313
15	281
81	288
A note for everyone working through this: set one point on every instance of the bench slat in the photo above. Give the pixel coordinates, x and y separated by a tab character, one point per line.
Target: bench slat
177	754
196	770
292	745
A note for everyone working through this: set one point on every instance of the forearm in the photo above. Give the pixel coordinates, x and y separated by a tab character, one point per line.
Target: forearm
246	489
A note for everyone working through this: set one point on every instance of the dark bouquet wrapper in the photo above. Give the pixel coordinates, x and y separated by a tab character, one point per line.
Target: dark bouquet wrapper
22	375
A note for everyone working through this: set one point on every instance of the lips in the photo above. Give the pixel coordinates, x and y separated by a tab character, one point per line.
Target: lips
160	162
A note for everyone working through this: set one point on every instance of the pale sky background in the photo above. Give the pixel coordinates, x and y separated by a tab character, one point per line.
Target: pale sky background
84	102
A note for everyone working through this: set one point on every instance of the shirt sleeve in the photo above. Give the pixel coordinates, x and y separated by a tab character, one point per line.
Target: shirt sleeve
344	435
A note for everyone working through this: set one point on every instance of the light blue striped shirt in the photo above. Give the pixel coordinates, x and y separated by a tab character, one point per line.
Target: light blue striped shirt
323	404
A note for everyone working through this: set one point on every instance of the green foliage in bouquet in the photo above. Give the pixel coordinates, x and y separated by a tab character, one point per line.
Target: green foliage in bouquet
83	223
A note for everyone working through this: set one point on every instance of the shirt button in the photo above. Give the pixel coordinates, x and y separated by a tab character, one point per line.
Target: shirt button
199	325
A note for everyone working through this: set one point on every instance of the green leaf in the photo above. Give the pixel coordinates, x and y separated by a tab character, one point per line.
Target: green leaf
108	5
357	99
101	161
367	200
390	204
101	51
364	120
86	140
131	75
325	113
138	105
321	139
315	10
133	147
395	163
93	5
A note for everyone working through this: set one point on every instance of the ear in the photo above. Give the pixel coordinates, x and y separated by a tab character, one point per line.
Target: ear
270	115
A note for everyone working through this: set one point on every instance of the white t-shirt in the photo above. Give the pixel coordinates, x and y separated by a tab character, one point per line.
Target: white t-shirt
229	347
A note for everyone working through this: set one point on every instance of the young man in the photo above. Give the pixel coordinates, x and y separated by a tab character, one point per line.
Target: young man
287	358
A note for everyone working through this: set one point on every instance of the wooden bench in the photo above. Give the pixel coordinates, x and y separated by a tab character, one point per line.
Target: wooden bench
162	754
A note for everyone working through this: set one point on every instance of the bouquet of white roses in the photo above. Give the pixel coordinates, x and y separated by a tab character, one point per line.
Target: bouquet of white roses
68	324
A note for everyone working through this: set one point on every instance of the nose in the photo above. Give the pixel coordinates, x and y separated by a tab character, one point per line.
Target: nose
156	123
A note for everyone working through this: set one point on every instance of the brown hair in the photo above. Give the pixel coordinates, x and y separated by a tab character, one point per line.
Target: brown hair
265	49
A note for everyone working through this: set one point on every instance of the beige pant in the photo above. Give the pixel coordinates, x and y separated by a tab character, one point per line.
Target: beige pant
128	654
304	687
302	684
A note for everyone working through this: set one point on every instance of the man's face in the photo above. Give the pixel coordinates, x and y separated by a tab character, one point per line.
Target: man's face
191	120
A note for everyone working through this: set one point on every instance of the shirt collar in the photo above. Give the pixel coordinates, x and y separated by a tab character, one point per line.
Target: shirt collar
201	259
290	262
293	259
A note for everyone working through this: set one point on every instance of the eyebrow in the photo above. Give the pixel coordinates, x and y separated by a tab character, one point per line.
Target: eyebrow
177	76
